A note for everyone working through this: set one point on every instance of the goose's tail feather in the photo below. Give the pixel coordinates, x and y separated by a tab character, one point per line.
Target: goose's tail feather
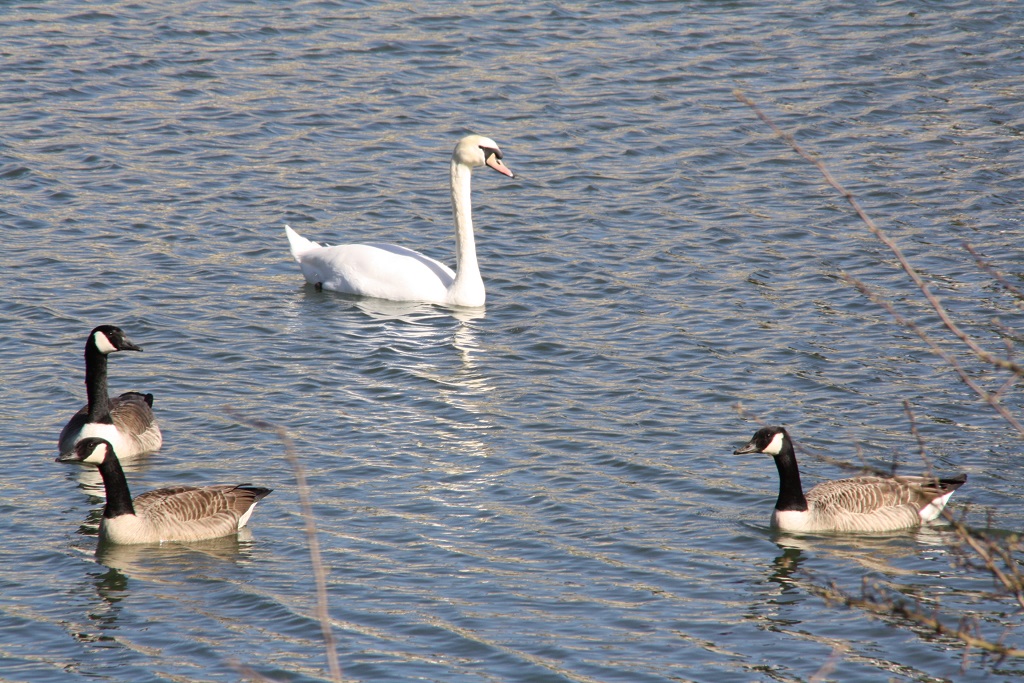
953	483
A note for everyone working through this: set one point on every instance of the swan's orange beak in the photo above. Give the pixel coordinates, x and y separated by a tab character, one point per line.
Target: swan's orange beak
498	165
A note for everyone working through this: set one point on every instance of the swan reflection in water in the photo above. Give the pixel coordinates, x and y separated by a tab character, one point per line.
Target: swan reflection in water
409	311
420	331
421	359
414	331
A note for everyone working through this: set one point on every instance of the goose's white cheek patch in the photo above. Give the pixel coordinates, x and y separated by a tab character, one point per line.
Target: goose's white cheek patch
775	447
103	343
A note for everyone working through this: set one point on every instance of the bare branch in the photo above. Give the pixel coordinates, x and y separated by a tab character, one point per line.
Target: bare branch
999	557
993	554
874	603
319	571
829	666
936	305
922	451
991	398
994	273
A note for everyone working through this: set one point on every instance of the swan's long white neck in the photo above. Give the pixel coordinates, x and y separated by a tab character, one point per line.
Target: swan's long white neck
468	287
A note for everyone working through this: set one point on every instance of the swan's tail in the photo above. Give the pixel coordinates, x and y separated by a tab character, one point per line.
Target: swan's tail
299	244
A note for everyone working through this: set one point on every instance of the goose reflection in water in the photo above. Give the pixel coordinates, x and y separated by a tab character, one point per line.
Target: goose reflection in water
120	566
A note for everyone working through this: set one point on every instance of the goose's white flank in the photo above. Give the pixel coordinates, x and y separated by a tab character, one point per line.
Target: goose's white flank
126	421
388	271
859	504
176	513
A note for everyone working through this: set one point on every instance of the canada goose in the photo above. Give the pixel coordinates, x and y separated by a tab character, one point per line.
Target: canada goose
387	271
176	513
126	421
867	504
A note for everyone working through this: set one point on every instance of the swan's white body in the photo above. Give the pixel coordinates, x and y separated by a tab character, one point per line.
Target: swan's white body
388	271
381	271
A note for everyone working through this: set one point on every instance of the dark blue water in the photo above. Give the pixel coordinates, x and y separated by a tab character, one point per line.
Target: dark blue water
543	490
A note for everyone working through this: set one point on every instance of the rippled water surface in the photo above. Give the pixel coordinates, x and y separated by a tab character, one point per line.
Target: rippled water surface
543	490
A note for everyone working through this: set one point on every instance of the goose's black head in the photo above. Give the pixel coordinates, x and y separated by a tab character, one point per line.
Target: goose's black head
91	450
769	440
110	338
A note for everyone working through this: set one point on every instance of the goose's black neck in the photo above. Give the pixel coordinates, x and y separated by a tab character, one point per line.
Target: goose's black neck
119	498
791	493
96	383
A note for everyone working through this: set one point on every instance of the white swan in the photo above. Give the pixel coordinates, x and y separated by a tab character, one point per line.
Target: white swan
387	271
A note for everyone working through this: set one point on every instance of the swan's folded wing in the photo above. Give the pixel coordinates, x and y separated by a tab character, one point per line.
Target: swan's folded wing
382	271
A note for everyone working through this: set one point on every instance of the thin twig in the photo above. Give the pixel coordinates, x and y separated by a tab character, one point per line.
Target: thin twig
829	666
922	451
994	273
899	608
991	553
319	571
864	467
936	305
989	397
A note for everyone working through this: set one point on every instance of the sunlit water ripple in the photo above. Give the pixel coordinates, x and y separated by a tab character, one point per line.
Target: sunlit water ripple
542	491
